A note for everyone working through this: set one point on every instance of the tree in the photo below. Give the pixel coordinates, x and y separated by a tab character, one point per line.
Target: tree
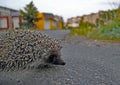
29	15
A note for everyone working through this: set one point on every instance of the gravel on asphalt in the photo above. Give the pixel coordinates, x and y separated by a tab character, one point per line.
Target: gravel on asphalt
88	62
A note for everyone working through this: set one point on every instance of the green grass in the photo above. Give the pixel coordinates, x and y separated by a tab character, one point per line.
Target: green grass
78	31
106	32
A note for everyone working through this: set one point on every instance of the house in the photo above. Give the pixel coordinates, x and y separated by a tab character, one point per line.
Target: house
90	18
73	22
94	18
59	21
9	18
48	21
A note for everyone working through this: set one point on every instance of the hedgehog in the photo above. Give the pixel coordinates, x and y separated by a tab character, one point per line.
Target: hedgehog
28	49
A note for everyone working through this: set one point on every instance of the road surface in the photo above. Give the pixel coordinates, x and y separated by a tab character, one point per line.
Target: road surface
88	62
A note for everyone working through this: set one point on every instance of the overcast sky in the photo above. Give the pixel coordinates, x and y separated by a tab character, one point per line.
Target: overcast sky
65	8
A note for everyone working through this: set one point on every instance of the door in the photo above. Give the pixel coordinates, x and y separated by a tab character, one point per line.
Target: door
15	22
46	24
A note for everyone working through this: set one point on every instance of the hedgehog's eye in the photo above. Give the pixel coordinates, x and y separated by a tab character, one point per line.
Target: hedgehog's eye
52	58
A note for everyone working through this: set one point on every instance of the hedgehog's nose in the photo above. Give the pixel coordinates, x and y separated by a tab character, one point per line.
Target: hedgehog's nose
59	63
63	63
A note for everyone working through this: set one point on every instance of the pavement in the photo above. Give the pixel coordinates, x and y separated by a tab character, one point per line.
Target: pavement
88	62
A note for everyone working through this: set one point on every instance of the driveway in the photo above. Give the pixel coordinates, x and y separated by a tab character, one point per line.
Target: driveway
88	62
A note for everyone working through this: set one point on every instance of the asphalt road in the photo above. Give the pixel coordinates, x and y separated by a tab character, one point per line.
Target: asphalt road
88	62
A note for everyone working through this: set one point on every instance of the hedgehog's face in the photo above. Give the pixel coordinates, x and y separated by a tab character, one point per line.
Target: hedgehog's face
55	58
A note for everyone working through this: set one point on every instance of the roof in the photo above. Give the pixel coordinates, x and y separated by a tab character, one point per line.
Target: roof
9	9
48	15
15	14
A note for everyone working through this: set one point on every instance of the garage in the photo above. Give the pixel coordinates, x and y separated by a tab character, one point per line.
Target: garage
16	22
46	24
4	22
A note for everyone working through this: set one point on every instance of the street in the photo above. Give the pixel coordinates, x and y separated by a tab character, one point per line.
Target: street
88	62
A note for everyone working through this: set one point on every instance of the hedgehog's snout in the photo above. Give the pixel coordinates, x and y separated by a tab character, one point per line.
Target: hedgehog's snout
59	62
55	59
